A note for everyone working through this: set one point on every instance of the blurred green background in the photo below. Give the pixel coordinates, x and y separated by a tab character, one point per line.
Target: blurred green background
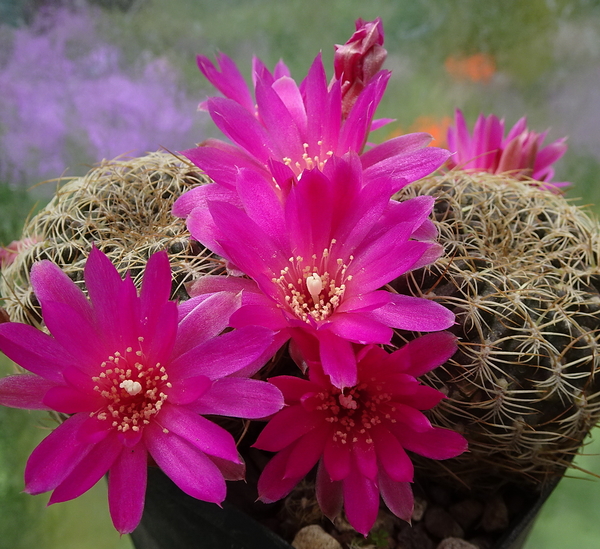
134	61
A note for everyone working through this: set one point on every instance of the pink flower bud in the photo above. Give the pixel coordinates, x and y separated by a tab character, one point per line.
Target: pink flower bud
359	59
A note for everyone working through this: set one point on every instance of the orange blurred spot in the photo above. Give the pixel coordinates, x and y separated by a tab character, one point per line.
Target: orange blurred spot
479	67
437	127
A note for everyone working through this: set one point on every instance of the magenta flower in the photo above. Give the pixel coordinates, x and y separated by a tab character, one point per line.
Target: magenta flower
520	153
319	260
286	128
134	372
359	436
359	60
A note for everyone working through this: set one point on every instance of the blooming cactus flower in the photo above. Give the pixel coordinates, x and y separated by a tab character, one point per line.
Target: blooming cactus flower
319	260
358	436
521	152
359	60
287	128
134	373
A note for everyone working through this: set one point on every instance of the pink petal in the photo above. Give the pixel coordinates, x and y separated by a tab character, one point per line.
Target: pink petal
414	314
421	355
34	350
69	400
127	488
361	501
24	391
305	453
229	81
397	496
204	319
392	456
436	443
50	284
287	426
337	358
88	471
241	127
103	283
278	121
272	483
223	355
330	493
206	436
240	397
189	389
398	145
187	466
336	460
75	334
261	204
365	458
294	388
360	329
156	284
56	456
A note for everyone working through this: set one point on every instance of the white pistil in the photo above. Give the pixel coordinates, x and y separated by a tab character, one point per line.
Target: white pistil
315	286
132	387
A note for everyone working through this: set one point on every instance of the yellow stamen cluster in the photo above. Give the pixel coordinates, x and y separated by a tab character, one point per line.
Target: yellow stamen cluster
308	162
133	389
312	289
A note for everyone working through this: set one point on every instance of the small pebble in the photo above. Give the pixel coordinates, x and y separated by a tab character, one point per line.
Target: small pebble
440	523
415	537
495	515
314	537
419	509
466	512
455	543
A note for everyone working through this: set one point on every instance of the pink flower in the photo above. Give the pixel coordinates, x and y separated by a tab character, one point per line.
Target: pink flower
520	153
134	372
9	253
319	260
359	60
285	128
359	436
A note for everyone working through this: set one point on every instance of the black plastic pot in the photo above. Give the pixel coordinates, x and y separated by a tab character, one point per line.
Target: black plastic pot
174	520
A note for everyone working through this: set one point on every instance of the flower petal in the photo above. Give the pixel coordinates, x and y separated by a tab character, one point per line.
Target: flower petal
240	397
330	493
34	350
414	313
398	496
90	469
361	501
56	456
24	391
127	488
187	466
203	434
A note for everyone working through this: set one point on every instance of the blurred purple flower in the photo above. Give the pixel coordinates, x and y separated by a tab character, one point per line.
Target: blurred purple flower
69	99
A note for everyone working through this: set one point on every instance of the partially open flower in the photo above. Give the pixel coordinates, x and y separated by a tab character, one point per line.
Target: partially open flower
358	436
519	154
134	373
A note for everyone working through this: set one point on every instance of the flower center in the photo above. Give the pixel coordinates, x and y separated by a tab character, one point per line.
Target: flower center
355	411
132	389
308	162
314	289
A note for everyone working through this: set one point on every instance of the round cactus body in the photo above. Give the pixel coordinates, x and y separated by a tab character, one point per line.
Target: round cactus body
520	271
124	208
